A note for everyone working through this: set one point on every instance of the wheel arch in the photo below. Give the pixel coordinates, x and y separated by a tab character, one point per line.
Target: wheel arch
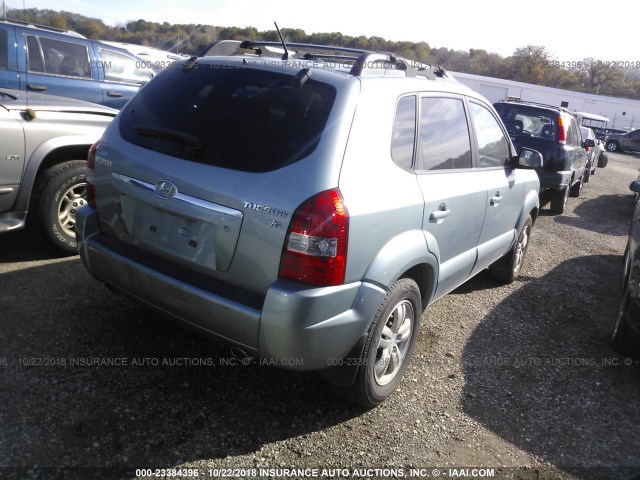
406	255
46	155
531	207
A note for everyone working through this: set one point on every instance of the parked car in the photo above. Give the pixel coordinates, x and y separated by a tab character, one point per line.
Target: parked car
619	142
597	123
554	132
626	333
45	142
601	133
154	58
48	60
593	153
304	211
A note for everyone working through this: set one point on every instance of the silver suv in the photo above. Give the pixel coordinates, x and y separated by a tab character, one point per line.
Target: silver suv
306	209
43	152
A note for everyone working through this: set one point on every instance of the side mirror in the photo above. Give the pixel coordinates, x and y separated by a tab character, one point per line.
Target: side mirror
588	143
528	158
635	186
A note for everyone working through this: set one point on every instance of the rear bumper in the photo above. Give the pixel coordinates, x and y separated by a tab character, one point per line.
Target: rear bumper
293	326
550	180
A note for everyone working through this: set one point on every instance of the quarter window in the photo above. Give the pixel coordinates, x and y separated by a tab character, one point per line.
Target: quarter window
444	135
404	132
493	149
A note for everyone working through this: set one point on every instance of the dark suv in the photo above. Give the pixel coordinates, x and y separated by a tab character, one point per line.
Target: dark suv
554	132
618	142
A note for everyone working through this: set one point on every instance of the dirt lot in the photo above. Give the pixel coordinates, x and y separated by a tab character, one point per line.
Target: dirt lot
519	378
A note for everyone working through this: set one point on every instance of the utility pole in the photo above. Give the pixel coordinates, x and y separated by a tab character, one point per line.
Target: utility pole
4	10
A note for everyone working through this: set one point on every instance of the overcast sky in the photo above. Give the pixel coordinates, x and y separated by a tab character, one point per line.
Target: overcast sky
569	30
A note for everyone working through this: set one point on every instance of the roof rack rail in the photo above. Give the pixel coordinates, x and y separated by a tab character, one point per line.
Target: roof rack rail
362	61
537	104
43	27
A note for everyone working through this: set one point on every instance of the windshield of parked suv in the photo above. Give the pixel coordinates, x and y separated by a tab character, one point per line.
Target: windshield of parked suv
523	121
239	118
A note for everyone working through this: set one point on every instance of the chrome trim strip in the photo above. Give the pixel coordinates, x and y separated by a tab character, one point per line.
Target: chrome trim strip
198	202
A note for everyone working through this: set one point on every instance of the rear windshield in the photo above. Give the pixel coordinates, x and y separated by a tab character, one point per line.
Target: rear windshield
524	121
240	118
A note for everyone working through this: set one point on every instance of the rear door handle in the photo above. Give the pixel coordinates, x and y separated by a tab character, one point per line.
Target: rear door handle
439	215
114	94
37	88
495	201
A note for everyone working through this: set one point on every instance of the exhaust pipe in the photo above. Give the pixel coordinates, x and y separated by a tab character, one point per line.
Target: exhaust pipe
241	355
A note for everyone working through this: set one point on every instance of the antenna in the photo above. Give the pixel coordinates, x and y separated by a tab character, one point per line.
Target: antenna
26	73
285	55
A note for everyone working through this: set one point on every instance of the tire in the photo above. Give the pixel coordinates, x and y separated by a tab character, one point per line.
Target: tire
507	269
612	146
389	345
62	190
576	188
603	160
587	173
559	200
626	339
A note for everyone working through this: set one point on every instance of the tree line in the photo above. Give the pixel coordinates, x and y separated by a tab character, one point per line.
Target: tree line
530	64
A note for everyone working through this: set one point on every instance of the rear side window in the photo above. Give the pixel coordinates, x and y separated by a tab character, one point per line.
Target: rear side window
404	132
443	141
237	118
46	55
525	121
493	149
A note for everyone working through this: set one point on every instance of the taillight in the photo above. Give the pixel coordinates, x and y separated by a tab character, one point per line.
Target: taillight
91	165
315	250
562	131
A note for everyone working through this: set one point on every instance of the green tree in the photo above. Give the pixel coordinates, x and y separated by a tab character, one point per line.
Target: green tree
532	64
599	73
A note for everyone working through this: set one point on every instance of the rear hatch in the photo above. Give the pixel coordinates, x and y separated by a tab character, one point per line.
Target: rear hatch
204	168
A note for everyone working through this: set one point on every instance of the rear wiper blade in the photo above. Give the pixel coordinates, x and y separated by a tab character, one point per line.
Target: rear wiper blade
168	134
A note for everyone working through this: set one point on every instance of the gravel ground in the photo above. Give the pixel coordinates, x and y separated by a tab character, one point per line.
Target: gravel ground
518	378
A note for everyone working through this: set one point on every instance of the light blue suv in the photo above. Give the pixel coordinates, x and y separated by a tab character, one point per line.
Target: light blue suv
306	209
